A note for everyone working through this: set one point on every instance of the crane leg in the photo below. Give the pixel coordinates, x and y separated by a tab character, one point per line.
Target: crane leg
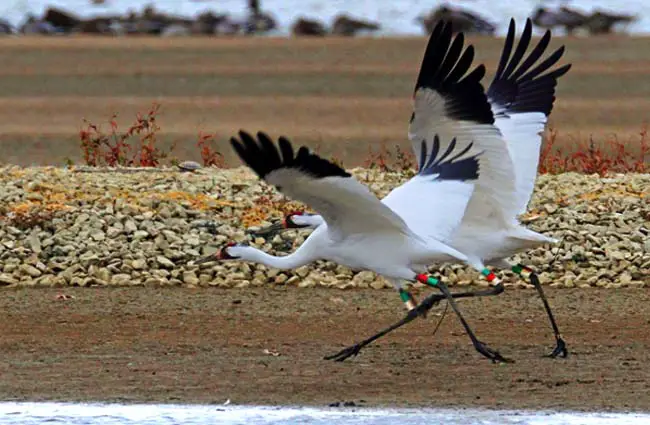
527	273
353	350
478	345
419	311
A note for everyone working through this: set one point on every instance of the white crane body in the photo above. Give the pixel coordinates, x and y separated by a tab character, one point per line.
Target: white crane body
475	176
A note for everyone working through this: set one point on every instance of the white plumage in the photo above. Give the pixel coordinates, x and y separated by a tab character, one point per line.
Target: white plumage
419	201
521	99
358	230
495	188
506	126
507	131
518	103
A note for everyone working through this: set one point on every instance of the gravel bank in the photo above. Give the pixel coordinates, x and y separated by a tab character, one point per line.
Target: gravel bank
71	227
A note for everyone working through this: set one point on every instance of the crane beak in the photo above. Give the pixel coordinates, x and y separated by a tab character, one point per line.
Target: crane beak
207	259
221	255
269	230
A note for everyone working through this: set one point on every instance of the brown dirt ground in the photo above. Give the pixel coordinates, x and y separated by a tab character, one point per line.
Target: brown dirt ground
207	345
342	95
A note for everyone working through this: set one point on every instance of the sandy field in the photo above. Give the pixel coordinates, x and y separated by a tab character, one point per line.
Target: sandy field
342	95
208	345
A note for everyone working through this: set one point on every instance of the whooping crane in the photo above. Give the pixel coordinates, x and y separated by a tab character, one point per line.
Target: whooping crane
520	98
359	230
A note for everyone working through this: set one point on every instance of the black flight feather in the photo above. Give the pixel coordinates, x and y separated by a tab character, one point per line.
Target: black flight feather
518	88
263	157
448	169
443	66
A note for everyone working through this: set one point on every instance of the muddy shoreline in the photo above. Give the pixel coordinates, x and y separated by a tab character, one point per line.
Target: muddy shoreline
173	345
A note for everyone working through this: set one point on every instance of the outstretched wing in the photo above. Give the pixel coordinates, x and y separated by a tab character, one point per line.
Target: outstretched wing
347	206
521	98
434	201
455	107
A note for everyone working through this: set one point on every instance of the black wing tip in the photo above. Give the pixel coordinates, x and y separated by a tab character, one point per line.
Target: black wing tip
519	86
261	154
444	69
449	168
436	56
563	70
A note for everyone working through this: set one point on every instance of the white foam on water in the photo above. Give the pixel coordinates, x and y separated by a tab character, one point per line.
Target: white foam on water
14	413
396	17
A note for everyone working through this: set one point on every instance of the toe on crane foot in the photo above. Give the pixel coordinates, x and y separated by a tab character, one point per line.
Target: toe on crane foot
492	354
560	350
351	351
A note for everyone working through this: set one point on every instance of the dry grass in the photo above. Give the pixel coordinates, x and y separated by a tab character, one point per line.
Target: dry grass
340	94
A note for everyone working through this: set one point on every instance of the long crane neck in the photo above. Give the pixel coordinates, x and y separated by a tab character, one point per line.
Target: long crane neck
291	261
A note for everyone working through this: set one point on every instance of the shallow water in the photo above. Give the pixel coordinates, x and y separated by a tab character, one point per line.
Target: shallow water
396	17
161	414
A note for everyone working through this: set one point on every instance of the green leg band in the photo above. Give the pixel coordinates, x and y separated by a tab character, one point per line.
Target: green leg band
407	299
432	281
522	271
404	296
517	269
427	280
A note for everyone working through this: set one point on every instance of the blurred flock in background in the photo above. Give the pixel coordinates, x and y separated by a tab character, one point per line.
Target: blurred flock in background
313	18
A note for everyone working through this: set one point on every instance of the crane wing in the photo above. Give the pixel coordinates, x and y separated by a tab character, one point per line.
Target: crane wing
521	99
434	201
347	206
454	107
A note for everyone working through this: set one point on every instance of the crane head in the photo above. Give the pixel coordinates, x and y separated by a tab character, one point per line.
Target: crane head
293	220
222	254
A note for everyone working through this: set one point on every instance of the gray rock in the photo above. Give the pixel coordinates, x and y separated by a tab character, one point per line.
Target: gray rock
189	166
103	274
88	258
121	279
98	236
47	280
81	218
113	232
154	281
13	231
190	278
165	262
30	270
34	243
130	226
140	234
377	284
192	240
7	279
139	264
